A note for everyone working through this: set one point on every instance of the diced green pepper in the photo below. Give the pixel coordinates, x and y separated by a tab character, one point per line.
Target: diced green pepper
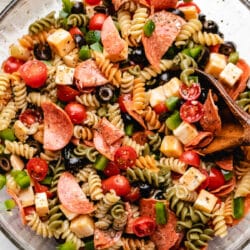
67	5
161	214
89	245
194	52
96	47
186	51
227	174
93	36
84	52
9	204
47	180
2	181
233	57
68	245
101	163
7	134
149	28
171	103
238	207
174	120
129	129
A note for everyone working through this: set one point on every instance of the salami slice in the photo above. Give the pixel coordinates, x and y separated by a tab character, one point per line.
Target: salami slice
167	27
71	195
226	163
58	128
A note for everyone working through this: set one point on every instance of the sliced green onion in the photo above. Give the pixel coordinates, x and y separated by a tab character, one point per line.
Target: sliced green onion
96	47
7	134
101	163
23	181
174	120
68	245
129	129
89	245
84	52
238	207
93	36
2	181
9	204
233	57
171	103
161	214
149	28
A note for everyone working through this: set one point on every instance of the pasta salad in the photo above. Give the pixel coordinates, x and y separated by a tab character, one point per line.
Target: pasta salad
110	137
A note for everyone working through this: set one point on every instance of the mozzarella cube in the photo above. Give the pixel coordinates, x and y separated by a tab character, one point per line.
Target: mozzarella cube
192	178
61	42
171	88
67	213
185	132
71	59
64	75
230	74
171	146
216	63
190	12
82	226
27	197
41	204
205	201
156	96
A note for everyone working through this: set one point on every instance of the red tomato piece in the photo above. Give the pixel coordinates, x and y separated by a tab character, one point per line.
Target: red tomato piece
144	226
160	108
123	98
118	183
76	112
111	169
66	93
30	116
92	2
191	111
125	157
186	4
39	188
34	73
205	183
29	210
75	31
12	64
133	195
96	21
216	179
190	158
37	168
190	93
214	49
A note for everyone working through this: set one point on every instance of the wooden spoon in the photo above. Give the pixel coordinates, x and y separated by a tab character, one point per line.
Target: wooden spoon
233	133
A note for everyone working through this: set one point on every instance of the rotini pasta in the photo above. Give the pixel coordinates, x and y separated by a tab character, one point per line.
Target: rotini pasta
95	186
7	114
88	100
243	187
209	39
174	164
114	116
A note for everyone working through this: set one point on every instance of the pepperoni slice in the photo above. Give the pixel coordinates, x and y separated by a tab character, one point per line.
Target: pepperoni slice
226	163
71	195
58	128
87	74
163	4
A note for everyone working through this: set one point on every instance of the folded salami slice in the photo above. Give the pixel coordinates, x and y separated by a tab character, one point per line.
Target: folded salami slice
225	189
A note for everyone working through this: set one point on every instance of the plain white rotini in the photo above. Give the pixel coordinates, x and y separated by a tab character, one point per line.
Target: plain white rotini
208	39
7	114
124	20
95	186
127	83
49	155
130	142
37	99
21	149
20	94
88	100
82	132
84	173
4	83
219	223
174	164
92	119
243	186
114	116
184	194
228	210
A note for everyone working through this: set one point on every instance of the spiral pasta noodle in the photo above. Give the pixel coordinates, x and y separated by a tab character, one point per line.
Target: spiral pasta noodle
174	164
136	244
130	142
89	152
92	119
81	132
37	99
127	83
208	39
244	101
20	94
243	187
184	194
88	100
154	140
11	184
120	217
49	155
84	173
114	116
7	114
57	170
184	61
228	210
152	119
105	222
220	227
148	162
124	21
241	169
77	20
95	186
4	83
139	96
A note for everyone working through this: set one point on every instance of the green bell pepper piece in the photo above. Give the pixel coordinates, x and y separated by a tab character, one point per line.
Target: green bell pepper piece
161	214
238	207
101	163
174	120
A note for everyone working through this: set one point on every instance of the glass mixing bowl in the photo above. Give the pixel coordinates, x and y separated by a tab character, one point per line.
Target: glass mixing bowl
233	19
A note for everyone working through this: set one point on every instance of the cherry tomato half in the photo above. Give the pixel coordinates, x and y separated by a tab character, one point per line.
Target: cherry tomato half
39	188
191	111
125	157
190	93
76	112
205	183
30	116
92	2
122	99
118	183
66	93
190	158
34	73
111	169
12	64
75	31
96	21
216	179
133	195
37	168
160	108
144	226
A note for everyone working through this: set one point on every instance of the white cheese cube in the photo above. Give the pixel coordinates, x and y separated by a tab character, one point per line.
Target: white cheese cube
171	146
61	42
27	197
171	88
216	63
185	132
16	162
205	201
157	96
67	213
64	75
82	226
190	12
41	204
192	178
230	74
